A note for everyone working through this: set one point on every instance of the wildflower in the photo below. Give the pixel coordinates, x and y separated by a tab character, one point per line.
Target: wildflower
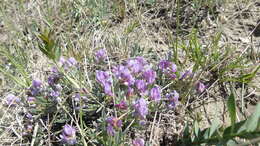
100	55
62	61
53	79
71	62
124	75
28	129
155	93
31	101
105	80
54	93
35	89
173	68
54	69
110	130
141	60
36	83
12	100
68	135
130	92
103	77
164	64
149	75
122	105
168	68
173	99
136	65
76	97
141	86
115	122
200	87
29	116
141	109
57	87
185	74
138	142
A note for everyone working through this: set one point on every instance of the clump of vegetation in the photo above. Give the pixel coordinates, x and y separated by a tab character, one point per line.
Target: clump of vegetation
94	94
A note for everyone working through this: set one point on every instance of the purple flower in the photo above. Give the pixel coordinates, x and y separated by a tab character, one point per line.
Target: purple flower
53	79
155	93
136	65
185	74
54	69
173	68
124	75
141	60
164	65
168	68
31	101
141	109
122	105
149	75
110	130
66	64
108	89
173	99
54	93
103	77
105	80
130	92
36	83
138	142
68	135
71	62
12	100
100	55
141	86
62	61
115	122
29	116
77	97
200	87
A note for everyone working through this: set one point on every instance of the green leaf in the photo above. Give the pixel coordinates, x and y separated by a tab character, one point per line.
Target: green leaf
231	104
253	121
196	128
214	127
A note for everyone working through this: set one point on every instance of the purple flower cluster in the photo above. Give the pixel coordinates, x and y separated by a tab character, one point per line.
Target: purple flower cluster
124	75
138	142
100	55
80	101
168	68
141	108
112	124
136	74
155	93
186	74
67	64
200	87
173	98
122	105
105	80
55	88
35	89
68	135
12	100
149	75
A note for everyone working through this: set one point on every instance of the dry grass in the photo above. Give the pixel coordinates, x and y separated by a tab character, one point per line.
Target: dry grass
81	27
